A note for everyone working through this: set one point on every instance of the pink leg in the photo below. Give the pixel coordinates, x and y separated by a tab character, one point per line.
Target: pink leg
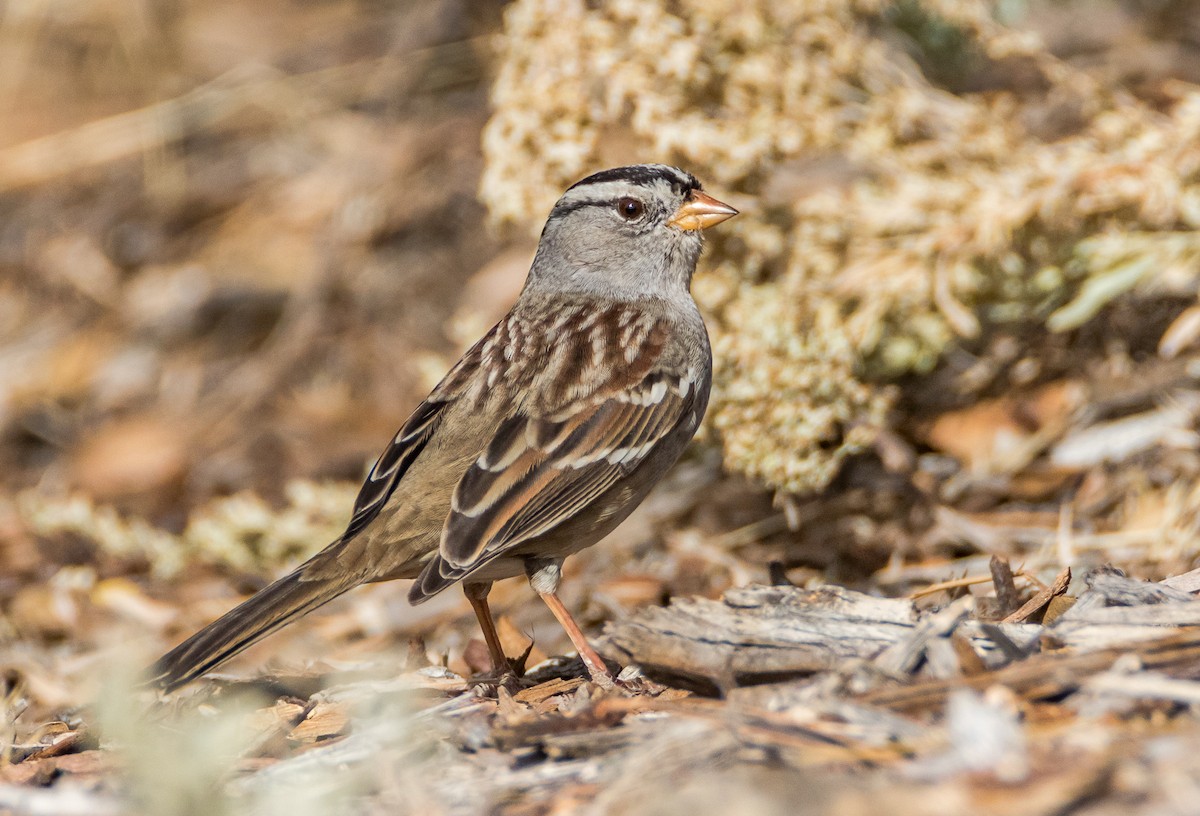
477	594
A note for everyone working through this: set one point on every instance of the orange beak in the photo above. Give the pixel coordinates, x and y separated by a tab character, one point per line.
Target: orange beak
700	211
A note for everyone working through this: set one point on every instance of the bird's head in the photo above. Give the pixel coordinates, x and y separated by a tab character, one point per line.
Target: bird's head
628	231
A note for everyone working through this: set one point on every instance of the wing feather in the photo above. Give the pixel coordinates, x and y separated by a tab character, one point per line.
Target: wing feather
508	496
411	439
391	466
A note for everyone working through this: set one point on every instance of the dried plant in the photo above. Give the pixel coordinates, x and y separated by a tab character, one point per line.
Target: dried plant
912	173
241	532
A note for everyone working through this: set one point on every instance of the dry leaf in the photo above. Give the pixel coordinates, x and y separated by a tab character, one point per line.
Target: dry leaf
130	456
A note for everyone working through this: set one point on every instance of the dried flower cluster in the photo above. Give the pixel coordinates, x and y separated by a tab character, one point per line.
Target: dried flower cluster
911	173
241	532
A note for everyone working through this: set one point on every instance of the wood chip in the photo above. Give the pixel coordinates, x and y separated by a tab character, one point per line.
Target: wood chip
1047	676
1042	599
758	632
1187	582
324	721
1121	439
542	691
1006	588
968	659
84	764
906	655
1118	589
1145	686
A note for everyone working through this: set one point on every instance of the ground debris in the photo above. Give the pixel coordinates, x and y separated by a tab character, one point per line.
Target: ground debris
228	268
759	632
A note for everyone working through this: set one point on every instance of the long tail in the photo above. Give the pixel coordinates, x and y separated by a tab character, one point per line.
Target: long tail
258	616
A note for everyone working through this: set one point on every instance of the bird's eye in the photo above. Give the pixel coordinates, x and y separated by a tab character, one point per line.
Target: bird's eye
630	209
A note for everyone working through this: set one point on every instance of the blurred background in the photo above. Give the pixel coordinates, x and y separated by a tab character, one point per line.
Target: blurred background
239	241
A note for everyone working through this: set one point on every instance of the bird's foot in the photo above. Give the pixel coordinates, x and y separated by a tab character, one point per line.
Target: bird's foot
629	682
597	669
602	677
489	685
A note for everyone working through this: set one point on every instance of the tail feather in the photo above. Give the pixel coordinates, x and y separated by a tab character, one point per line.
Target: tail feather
271	608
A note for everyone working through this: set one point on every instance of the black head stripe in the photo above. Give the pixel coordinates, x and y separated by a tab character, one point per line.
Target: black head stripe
642	174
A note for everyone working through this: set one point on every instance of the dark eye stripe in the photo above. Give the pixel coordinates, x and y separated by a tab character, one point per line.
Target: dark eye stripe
562	209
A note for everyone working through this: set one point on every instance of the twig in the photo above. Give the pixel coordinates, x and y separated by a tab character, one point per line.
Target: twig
1041	599
955	583
1006	603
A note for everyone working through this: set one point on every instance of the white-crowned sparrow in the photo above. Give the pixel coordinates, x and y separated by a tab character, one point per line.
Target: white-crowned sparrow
545	435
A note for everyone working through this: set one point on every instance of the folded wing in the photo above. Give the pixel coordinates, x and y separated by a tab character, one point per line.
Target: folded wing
540	471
